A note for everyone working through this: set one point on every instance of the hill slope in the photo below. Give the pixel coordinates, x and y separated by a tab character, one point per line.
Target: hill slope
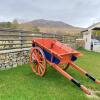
51	26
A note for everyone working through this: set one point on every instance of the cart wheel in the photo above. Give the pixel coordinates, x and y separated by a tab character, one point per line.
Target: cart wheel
37	61
64	66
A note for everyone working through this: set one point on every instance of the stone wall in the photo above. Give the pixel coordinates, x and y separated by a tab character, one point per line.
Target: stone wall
9	59
80	43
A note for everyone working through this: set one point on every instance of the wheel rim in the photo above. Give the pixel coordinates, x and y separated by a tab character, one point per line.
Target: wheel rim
37	61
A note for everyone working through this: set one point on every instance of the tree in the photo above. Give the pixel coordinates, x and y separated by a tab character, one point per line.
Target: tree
36	29
15	24
8	25
96	34
5	25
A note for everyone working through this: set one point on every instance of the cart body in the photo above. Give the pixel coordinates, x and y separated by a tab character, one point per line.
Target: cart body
59	56
55	51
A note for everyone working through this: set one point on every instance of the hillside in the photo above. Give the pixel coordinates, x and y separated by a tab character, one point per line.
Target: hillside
51	26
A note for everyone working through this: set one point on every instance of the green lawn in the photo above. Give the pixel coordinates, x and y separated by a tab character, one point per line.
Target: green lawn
22	84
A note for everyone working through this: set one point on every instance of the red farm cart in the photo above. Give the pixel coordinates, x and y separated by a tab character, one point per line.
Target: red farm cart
59	56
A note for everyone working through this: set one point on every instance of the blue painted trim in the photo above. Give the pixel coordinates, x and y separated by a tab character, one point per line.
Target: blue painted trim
73	58
49	56
55	59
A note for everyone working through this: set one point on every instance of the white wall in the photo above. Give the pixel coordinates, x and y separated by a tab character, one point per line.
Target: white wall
96	45
87	38
96	48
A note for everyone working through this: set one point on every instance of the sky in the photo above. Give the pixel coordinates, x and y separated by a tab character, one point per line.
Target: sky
81	13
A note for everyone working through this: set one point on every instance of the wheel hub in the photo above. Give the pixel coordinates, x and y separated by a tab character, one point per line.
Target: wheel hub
35	62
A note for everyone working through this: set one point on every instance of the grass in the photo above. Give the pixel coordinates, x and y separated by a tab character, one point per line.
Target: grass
22	84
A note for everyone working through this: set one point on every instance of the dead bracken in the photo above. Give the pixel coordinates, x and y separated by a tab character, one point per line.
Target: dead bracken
94	94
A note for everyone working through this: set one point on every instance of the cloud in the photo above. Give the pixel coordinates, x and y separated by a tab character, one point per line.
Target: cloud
75	12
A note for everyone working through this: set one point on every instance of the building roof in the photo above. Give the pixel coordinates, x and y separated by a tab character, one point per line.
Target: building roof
95	26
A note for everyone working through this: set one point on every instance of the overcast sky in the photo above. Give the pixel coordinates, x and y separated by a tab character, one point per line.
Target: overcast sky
80	13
